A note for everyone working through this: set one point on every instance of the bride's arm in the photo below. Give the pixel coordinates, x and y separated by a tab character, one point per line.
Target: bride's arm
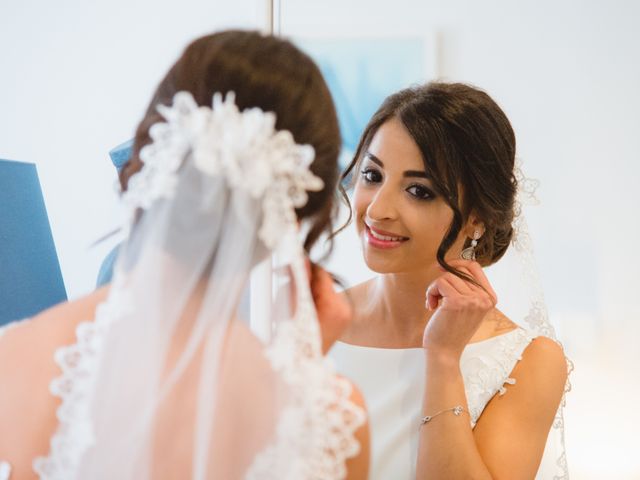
512	431
510	436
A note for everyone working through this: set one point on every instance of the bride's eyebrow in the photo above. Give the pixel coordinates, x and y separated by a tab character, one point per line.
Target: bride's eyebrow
374	159
406	174
417	174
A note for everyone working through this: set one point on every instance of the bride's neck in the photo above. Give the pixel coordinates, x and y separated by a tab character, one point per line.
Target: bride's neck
397	305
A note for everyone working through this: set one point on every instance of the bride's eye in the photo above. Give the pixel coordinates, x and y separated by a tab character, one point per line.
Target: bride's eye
371	175
420	192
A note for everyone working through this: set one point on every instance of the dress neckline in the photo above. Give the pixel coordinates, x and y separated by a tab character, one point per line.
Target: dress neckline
470	345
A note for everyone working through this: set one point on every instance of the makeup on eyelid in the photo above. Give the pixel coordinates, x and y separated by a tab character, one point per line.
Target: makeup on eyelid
367	173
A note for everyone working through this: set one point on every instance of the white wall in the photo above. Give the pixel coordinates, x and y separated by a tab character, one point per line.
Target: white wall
568	76
75	79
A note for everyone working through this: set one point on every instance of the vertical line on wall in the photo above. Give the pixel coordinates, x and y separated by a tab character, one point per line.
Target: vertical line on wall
260	289
273	17
276	18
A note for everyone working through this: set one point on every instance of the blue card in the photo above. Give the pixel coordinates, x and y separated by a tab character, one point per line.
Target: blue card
30	276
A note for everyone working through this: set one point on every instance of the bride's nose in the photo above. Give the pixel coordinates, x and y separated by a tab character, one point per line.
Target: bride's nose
383	205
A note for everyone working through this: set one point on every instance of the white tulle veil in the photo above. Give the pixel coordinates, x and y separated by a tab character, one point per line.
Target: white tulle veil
521	297
168	381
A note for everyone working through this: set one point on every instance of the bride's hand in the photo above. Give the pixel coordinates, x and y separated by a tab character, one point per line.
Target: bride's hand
334	312
458	309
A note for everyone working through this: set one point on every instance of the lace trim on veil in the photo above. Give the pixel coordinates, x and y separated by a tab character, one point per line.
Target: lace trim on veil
318	427
321	419
79	363
538	317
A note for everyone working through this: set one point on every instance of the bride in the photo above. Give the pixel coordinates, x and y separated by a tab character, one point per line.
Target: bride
156	375
455	388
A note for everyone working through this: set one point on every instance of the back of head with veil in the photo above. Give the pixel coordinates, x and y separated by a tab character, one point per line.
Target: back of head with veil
239	144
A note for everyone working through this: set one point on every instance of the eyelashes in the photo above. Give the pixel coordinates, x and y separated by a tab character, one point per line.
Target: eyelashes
371	175
418	191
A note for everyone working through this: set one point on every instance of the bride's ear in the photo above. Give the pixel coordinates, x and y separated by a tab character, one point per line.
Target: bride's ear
473	225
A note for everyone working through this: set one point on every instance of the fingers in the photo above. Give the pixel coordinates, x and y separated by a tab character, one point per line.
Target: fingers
439	289
462	286
324	292
454	292
334	312
475	271
321	282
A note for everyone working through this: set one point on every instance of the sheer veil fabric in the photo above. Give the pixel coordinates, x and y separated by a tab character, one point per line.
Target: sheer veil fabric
516	279
166	381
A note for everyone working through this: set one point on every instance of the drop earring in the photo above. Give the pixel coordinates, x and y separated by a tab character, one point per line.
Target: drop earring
469	253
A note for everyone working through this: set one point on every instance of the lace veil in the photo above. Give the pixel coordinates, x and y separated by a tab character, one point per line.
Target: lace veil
168	381
515	277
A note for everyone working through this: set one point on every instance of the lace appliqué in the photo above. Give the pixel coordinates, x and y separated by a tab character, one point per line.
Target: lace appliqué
242	147
486	376
79	363
315	434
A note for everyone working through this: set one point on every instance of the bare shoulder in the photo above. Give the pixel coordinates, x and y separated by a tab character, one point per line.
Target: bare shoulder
27	366
543	363
512	431
540	377
54	323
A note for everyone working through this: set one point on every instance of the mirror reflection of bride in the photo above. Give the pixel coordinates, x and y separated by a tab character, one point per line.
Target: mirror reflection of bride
455	387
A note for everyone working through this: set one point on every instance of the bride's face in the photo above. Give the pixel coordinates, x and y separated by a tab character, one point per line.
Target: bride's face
400	218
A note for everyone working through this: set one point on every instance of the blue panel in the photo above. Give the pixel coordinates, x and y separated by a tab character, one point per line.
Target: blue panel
30	277
121	154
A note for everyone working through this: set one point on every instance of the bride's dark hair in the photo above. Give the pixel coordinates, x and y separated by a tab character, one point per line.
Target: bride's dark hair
264	72
468	148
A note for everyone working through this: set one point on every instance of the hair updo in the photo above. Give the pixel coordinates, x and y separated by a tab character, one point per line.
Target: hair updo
468	147
265	72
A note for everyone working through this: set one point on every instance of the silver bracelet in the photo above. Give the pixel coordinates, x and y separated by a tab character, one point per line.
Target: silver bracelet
457	411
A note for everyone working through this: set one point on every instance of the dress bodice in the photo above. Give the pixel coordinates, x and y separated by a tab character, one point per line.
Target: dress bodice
392	382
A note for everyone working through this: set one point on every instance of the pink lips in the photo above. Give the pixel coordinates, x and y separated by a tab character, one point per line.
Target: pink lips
376	241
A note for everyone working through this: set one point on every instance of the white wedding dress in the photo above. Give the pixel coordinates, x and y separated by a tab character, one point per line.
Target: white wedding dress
392	382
